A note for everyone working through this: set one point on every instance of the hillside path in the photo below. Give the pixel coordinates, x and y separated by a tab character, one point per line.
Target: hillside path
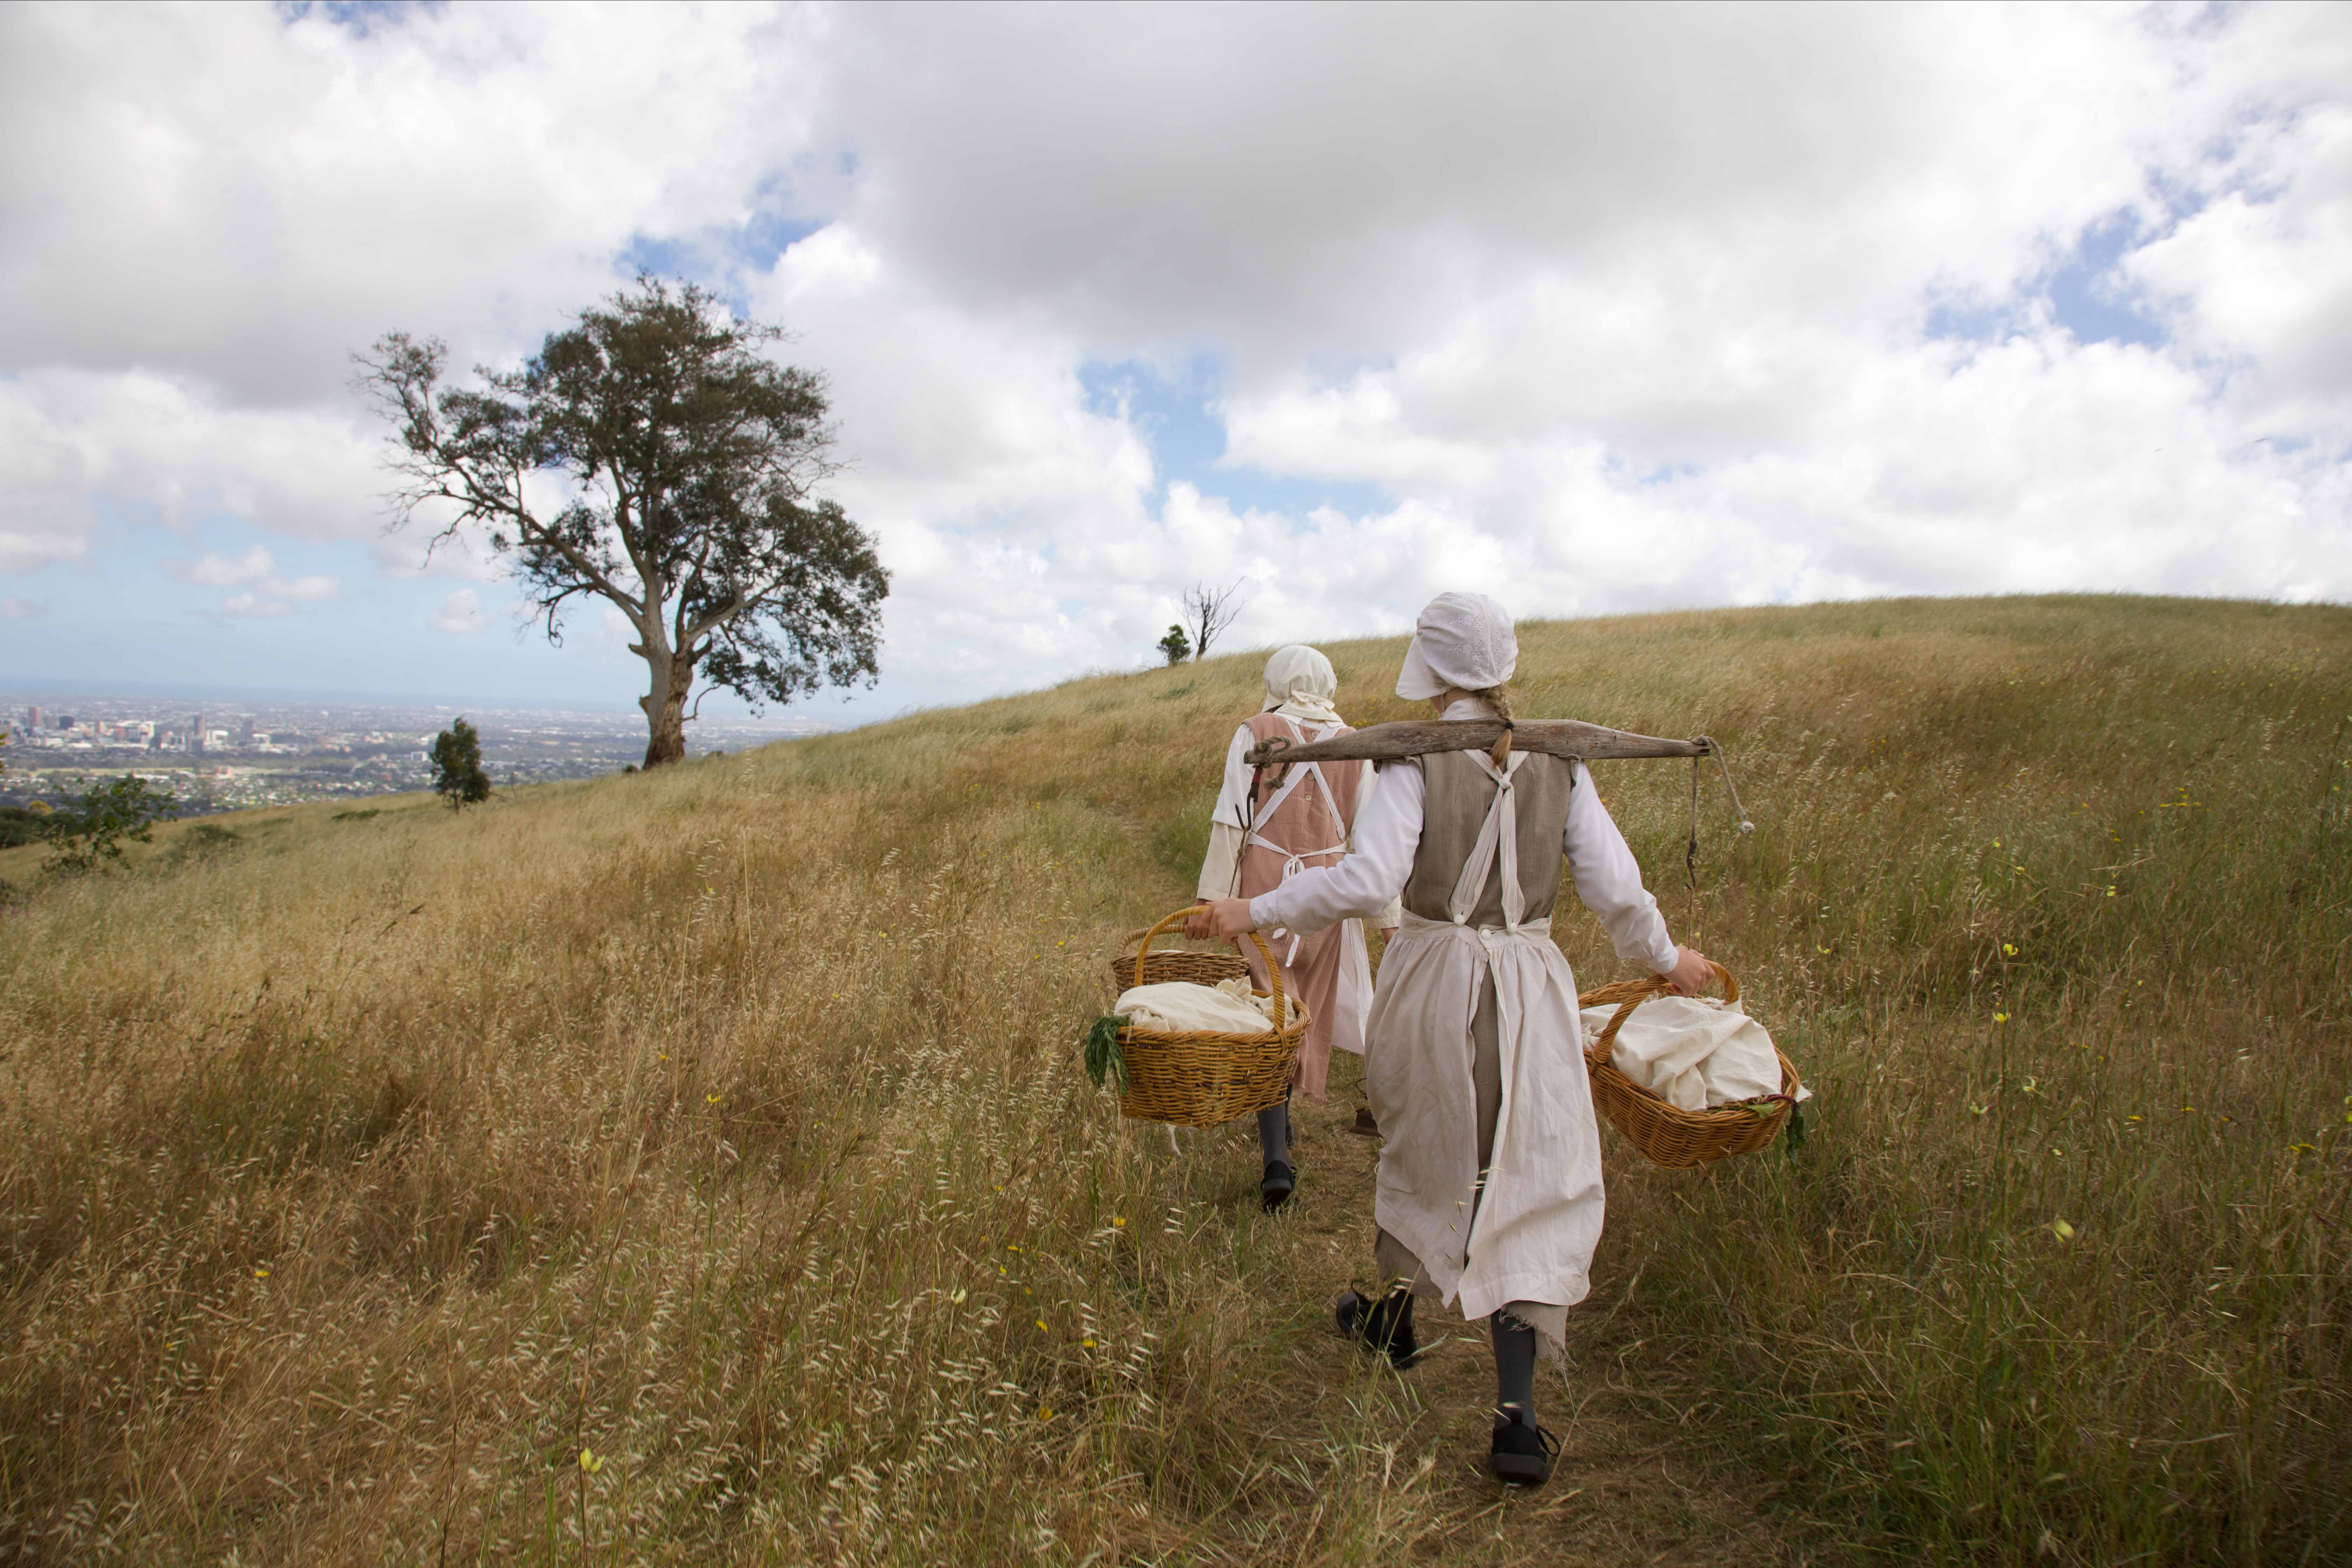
1629	1488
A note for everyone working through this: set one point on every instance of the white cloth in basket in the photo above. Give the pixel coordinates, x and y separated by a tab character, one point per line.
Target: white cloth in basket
1180	1007
1693	1052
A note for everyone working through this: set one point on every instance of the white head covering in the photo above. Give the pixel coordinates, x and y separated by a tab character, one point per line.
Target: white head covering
1461	640
1300	684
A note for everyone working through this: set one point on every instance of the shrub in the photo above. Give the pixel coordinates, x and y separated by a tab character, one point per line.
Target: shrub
457	775
88	830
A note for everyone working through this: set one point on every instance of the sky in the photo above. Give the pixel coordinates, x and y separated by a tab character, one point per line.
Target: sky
1597	309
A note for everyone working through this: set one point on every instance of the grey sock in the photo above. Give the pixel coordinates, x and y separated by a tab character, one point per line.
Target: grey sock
1273	1132
1515	1362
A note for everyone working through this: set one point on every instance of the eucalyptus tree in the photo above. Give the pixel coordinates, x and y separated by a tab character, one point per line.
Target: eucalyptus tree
654	457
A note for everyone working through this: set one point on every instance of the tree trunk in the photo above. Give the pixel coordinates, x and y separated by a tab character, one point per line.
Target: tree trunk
665	706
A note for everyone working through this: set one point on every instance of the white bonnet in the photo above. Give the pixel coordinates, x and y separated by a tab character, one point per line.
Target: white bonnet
1461	640
1297	671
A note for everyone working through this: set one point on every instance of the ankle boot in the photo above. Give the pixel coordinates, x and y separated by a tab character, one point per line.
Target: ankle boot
1386	1325
1523	1451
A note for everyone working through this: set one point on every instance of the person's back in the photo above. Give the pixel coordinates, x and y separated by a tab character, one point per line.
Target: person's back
1458	792
1264	832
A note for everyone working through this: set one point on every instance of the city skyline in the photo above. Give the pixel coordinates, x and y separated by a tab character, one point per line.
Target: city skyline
236	756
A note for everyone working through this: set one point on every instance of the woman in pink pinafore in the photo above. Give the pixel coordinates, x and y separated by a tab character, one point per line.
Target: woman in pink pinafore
1257	842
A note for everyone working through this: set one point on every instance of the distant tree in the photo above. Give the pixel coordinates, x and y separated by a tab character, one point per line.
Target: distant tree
1174	645
86	830
690	462
457	767
1209	610
457	775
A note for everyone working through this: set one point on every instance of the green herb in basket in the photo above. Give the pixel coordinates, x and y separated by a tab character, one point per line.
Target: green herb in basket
1103	1055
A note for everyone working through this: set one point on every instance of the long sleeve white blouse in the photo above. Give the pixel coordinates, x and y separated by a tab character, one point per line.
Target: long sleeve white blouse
1388	832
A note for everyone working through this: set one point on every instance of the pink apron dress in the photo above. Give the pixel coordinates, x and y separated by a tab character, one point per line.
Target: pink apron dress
1303	822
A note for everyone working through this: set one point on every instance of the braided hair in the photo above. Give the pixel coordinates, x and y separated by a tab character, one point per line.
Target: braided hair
1499	698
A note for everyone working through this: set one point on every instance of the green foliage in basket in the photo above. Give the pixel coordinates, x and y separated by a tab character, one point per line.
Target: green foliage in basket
1103	1055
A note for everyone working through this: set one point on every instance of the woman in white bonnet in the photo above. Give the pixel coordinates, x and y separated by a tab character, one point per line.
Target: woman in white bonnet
1489	1187
1257	842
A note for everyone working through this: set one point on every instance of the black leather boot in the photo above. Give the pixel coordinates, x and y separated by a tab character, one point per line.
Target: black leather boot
1523	1451
1275	1187
1385	1326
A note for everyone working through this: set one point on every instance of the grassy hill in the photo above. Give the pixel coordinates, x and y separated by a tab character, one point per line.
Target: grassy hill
696	1167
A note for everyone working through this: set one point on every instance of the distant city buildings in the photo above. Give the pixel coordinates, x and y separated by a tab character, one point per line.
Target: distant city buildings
280	754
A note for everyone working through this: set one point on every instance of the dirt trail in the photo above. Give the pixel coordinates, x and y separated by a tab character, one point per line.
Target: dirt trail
1628	1488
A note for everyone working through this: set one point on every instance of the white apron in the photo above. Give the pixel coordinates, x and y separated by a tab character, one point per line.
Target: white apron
1538	1220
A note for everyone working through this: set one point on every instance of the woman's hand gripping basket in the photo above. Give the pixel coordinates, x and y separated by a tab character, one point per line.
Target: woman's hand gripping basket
1667	1134
1196	1078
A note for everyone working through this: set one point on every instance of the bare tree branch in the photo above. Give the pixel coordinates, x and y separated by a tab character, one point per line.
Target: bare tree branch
1209	610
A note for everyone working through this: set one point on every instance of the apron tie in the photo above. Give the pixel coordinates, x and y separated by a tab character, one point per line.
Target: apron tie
1486	944
1499	832
1294	861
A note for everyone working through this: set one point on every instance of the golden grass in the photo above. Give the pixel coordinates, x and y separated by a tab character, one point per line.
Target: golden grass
725	1124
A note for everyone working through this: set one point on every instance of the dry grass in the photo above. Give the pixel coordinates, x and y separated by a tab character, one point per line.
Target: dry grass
726	1124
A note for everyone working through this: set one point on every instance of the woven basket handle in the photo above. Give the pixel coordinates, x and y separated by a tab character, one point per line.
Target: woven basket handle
1631	993
1273	969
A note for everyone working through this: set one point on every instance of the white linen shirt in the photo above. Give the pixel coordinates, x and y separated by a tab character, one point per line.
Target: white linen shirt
1388	833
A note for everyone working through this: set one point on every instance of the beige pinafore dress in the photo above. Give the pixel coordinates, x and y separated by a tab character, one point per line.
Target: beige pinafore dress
1490	1184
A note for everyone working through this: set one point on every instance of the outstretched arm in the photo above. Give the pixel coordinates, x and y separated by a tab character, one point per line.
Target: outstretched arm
1358	888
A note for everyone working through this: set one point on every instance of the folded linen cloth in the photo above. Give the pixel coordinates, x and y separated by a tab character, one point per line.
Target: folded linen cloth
1693	1052
1178	1006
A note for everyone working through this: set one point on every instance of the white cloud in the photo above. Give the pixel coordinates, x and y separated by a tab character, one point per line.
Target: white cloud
1601	307
267	594
461	614
15	609
78	444
227	194
211	571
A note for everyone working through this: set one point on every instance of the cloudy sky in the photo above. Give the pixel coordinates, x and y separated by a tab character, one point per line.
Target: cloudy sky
1593	309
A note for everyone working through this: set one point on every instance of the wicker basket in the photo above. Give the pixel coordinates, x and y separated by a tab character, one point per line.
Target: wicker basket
1666	1134
1199	968
1199	1079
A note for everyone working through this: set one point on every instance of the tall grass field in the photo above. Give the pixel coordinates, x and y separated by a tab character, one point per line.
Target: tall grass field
697	1167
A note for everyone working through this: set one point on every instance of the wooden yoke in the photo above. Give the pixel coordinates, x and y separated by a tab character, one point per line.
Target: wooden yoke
1413	738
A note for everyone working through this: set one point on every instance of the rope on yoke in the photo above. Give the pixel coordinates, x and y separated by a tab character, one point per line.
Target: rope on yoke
1740	811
